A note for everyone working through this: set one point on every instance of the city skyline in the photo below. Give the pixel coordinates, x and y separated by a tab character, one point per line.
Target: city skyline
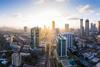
49	33
20	13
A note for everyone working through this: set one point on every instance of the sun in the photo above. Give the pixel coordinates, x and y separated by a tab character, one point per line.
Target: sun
45	17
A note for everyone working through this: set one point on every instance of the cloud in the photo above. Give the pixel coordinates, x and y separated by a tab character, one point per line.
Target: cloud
98	14
85	9
46	1
39	1
16	15
61	0
73	18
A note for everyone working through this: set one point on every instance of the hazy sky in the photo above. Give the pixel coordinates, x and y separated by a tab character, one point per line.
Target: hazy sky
19	13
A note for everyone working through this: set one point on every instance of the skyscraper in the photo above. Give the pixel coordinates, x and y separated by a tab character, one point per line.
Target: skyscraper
81	27
87	27
99	27
65	41
61	46
66	27
35	37
70	40
93	29
53	25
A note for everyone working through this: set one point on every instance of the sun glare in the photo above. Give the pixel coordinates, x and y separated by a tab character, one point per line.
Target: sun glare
50	14
46	16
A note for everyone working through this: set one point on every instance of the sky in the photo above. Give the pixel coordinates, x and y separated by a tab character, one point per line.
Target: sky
30	13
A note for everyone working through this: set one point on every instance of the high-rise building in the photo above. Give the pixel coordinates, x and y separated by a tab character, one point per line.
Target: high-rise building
53	25
61	46
99	27
16	59
87	27
93	29
65	41
25	29
70	40
35	37
81	27
66	27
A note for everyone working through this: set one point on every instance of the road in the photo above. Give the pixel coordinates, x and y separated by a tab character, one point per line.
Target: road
49	59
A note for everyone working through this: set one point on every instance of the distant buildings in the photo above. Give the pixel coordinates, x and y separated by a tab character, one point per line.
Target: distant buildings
53	25
35	37
66	27
93	29
87	27
81	27
25	29
99	27
88	30
57	31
